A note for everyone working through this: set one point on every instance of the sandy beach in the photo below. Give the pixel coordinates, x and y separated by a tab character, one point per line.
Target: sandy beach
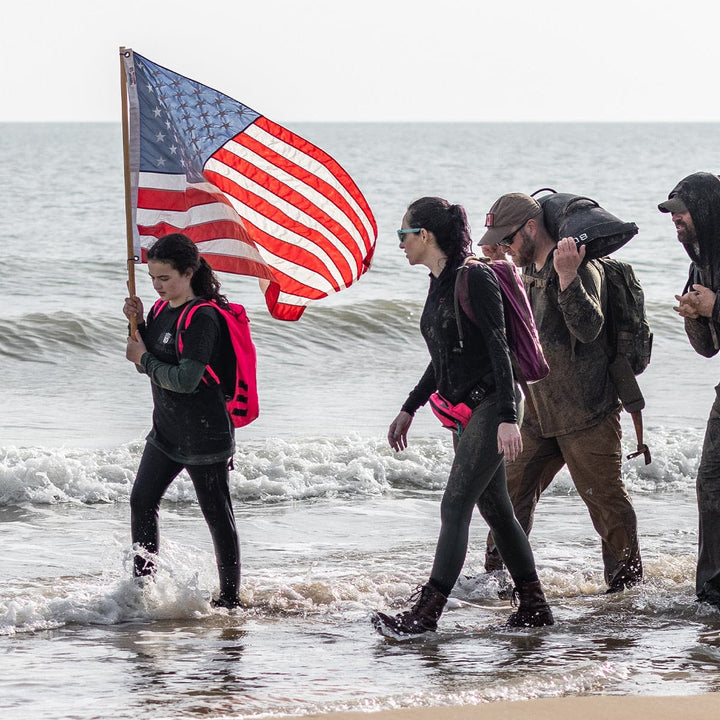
596	707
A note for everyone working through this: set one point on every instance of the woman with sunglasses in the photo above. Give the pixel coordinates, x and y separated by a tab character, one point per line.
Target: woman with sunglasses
436	234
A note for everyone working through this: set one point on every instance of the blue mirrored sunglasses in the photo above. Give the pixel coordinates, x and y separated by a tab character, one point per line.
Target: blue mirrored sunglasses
404	231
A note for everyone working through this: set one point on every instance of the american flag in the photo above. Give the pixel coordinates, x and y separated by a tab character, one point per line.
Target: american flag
255	197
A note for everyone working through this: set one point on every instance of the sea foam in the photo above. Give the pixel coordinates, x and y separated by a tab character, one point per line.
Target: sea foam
303	468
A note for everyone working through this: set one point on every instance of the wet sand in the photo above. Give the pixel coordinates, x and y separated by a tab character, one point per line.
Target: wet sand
596	707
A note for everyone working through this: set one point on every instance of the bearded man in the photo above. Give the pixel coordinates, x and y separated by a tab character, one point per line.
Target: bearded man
573	415
694	205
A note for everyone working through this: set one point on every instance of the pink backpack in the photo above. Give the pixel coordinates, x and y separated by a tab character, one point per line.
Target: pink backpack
526	353
243	406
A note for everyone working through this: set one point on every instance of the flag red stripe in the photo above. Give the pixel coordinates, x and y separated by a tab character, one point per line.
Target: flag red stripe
295	199
229	263
282	311
213	231
323	158
208	231
177	200
320	186
289	284
227	228
300	255
239	266
202	231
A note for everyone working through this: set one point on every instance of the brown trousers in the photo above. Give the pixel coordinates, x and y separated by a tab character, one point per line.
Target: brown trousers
594	459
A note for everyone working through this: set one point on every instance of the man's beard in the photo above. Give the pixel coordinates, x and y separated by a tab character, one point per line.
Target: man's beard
685	235
688	237
524	254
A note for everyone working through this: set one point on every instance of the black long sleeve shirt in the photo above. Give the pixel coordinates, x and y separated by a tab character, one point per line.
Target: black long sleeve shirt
452	372
190	424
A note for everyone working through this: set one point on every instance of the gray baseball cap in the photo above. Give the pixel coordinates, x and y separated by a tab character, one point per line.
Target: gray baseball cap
672	204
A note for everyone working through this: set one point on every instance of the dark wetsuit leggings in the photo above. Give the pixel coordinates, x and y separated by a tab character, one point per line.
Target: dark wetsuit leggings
154	476
477	477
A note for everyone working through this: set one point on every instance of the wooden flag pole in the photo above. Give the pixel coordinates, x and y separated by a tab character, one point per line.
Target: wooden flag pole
128	198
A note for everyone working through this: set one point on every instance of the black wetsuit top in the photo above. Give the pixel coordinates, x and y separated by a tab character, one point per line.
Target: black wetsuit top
484	360
190	424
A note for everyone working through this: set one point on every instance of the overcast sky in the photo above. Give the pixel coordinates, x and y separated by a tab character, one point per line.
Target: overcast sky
375	60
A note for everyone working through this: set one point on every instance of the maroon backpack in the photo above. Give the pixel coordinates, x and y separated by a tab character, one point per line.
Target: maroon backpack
526	353
242	405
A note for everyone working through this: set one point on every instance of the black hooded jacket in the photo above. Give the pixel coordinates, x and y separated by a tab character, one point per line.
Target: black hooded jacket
700	192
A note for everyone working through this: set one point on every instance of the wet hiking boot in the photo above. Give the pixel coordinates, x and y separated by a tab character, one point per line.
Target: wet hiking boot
625	578
710	594
421	618
619	585
226	601
533	610
229	584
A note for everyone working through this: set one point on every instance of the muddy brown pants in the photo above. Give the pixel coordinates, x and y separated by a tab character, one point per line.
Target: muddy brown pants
594	459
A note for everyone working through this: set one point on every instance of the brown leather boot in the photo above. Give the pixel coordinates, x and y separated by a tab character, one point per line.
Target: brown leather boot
533	610
421	618
493	561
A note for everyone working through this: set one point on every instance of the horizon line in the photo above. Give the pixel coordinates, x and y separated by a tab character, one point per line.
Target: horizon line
408	122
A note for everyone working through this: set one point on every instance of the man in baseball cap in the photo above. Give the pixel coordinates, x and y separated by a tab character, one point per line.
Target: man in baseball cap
507	216
576	406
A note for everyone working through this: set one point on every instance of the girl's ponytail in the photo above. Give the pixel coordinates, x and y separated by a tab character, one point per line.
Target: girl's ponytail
205	284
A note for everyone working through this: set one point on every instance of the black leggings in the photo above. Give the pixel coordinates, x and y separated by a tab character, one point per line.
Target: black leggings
477	477
211	482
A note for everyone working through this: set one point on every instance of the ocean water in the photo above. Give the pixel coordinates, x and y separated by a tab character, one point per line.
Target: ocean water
332	522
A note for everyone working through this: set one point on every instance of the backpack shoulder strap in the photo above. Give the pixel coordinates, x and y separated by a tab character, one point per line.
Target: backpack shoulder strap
461	295
157	308
184	321
462	300
190	310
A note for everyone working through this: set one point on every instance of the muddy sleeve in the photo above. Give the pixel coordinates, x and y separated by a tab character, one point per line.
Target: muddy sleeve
581	304
703	334
181	378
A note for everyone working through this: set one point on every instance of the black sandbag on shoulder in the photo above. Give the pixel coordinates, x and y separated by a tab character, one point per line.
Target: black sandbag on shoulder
580	217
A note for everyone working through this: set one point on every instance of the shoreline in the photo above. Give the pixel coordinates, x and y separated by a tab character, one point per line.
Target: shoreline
587	707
